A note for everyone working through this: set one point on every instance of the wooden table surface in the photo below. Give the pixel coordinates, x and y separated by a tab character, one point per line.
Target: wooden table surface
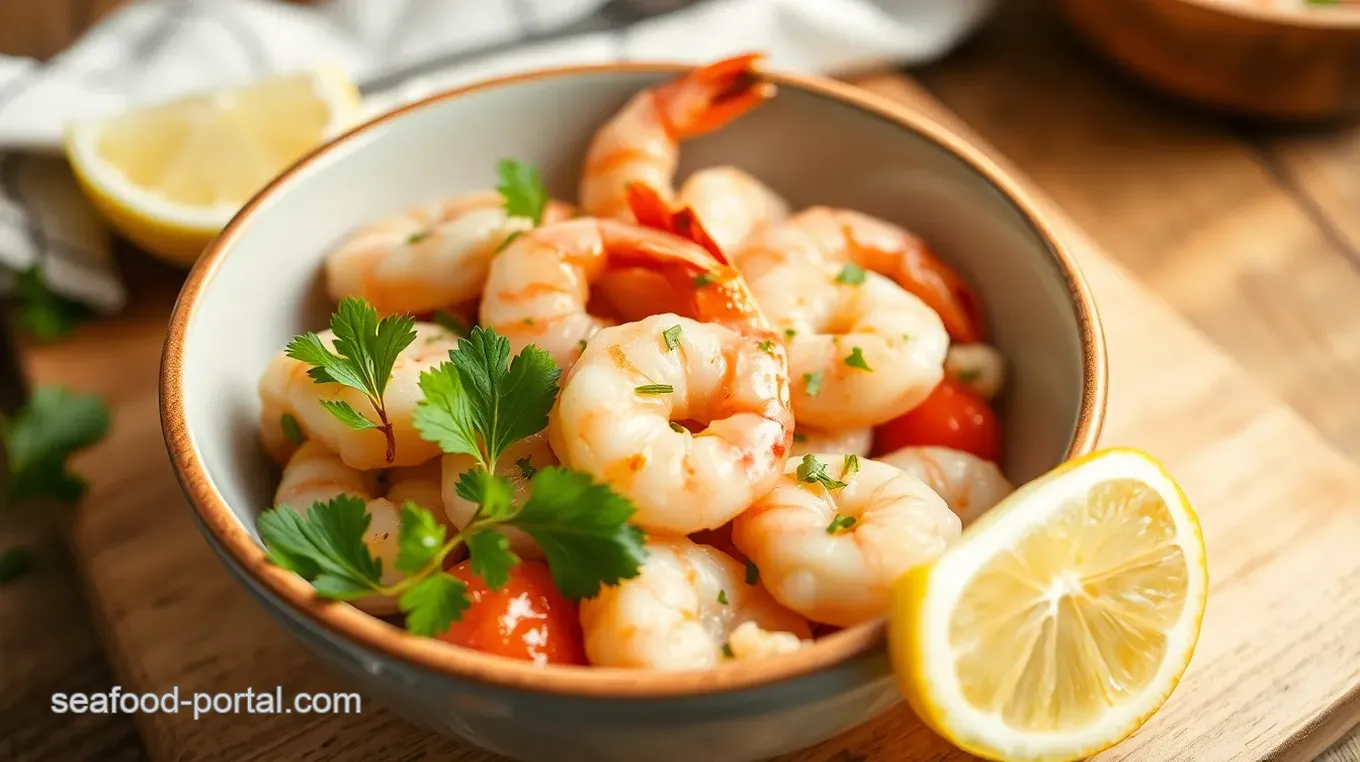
1252	233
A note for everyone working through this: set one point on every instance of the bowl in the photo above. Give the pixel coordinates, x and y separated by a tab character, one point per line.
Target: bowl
817	141
1285	64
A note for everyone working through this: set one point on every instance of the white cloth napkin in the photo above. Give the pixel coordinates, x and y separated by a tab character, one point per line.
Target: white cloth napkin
153	50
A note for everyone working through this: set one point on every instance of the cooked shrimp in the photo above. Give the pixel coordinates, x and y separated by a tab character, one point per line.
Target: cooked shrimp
286	388
833	555
622	406
979	366
641	142
967	483
848	441
731	204
539	287
860	352
680	610
841	237
519	462
315	474
427	257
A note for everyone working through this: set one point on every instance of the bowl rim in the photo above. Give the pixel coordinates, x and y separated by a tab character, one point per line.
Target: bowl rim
1319	17
338	620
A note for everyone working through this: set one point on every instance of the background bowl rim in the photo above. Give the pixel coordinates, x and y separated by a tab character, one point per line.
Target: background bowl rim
347	623
1320	17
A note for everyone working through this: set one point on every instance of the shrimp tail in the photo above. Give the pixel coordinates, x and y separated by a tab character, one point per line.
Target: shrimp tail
652	211
710	97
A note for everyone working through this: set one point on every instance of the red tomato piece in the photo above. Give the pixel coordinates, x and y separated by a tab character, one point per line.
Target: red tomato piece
952	416
527	619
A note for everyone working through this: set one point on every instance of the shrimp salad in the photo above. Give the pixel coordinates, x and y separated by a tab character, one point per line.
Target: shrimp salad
671	423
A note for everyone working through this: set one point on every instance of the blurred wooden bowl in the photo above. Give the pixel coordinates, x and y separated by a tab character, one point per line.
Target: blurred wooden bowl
1297	65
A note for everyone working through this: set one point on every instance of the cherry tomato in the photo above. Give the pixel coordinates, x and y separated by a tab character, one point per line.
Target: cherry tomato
527	619
952	416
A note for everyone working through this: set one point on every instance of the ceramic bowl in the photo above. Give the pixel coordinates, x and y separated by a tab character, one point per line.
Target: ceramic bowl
817	141
1297	64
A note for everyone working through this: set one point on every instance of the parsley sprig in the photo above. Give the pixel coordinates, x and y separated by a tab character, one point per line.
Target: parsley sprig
478	403
366	348
523	193
51	427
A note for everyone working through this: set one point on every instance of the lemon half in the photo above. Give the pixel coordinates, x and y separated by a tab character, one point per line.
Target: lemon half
170	176
1062	619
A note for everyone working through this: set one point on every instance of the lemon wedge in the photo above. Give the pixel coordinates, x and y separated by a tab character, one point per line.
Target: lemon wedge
170	176
1062	619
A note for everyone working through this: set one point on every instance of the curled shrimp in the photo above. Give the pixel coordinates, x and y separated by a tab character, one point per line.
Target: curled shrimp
641	142
731	204
967	483
539	287
833	555
841	236
861	351
286	389
520	461
681	610
850	441
427	257
315	474
630	407
980	367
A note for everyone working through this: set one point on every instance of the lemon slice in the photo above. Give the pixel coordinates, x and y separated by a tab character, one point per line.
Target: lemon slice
170	176
1062	619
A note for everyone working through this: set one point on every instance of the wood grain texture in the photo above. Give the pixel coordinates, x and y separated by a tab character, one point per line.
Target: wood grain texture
1219	55
1272	655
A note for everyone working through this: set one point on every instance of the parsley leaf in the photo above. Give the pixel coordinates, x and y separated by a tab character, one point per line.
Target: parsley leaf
291	429
856	360
840	522
800	437
722	597
677	428
444	415
703	280
851	274
420	540
583	530
53	425
326	546
15	563
522	188
813	471
491	557
654	389
347	415
672	337
766	346
43	312
812	384
434	603
492	491
366	348
506	405
752	573
851	465
789	333
727	651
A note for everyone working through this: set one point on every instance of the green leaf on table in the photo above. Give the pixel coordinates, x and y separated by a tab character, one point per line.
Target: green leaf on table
583	530
52	426
42	312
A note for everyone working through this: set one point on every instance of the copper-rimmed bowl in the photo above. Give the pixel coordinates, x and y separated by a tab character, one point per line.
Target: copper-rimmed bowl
1297	64
817	141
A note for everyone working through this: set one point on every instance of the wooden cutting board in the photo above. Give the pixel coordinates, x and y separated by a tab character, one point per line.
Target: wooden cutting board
1276	674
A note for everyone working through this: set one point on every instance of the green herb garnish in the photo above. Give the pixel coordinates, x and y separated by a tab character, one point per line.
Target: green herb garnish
677	428
51	427
522	188
840	522
44	313
851	465
703	280
752	573
450	322
812	384
654	389
856	360
766	346
789	333
417	236
722	597
813	471
365	351
672	337
291	429
800	437
851	274
526	468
